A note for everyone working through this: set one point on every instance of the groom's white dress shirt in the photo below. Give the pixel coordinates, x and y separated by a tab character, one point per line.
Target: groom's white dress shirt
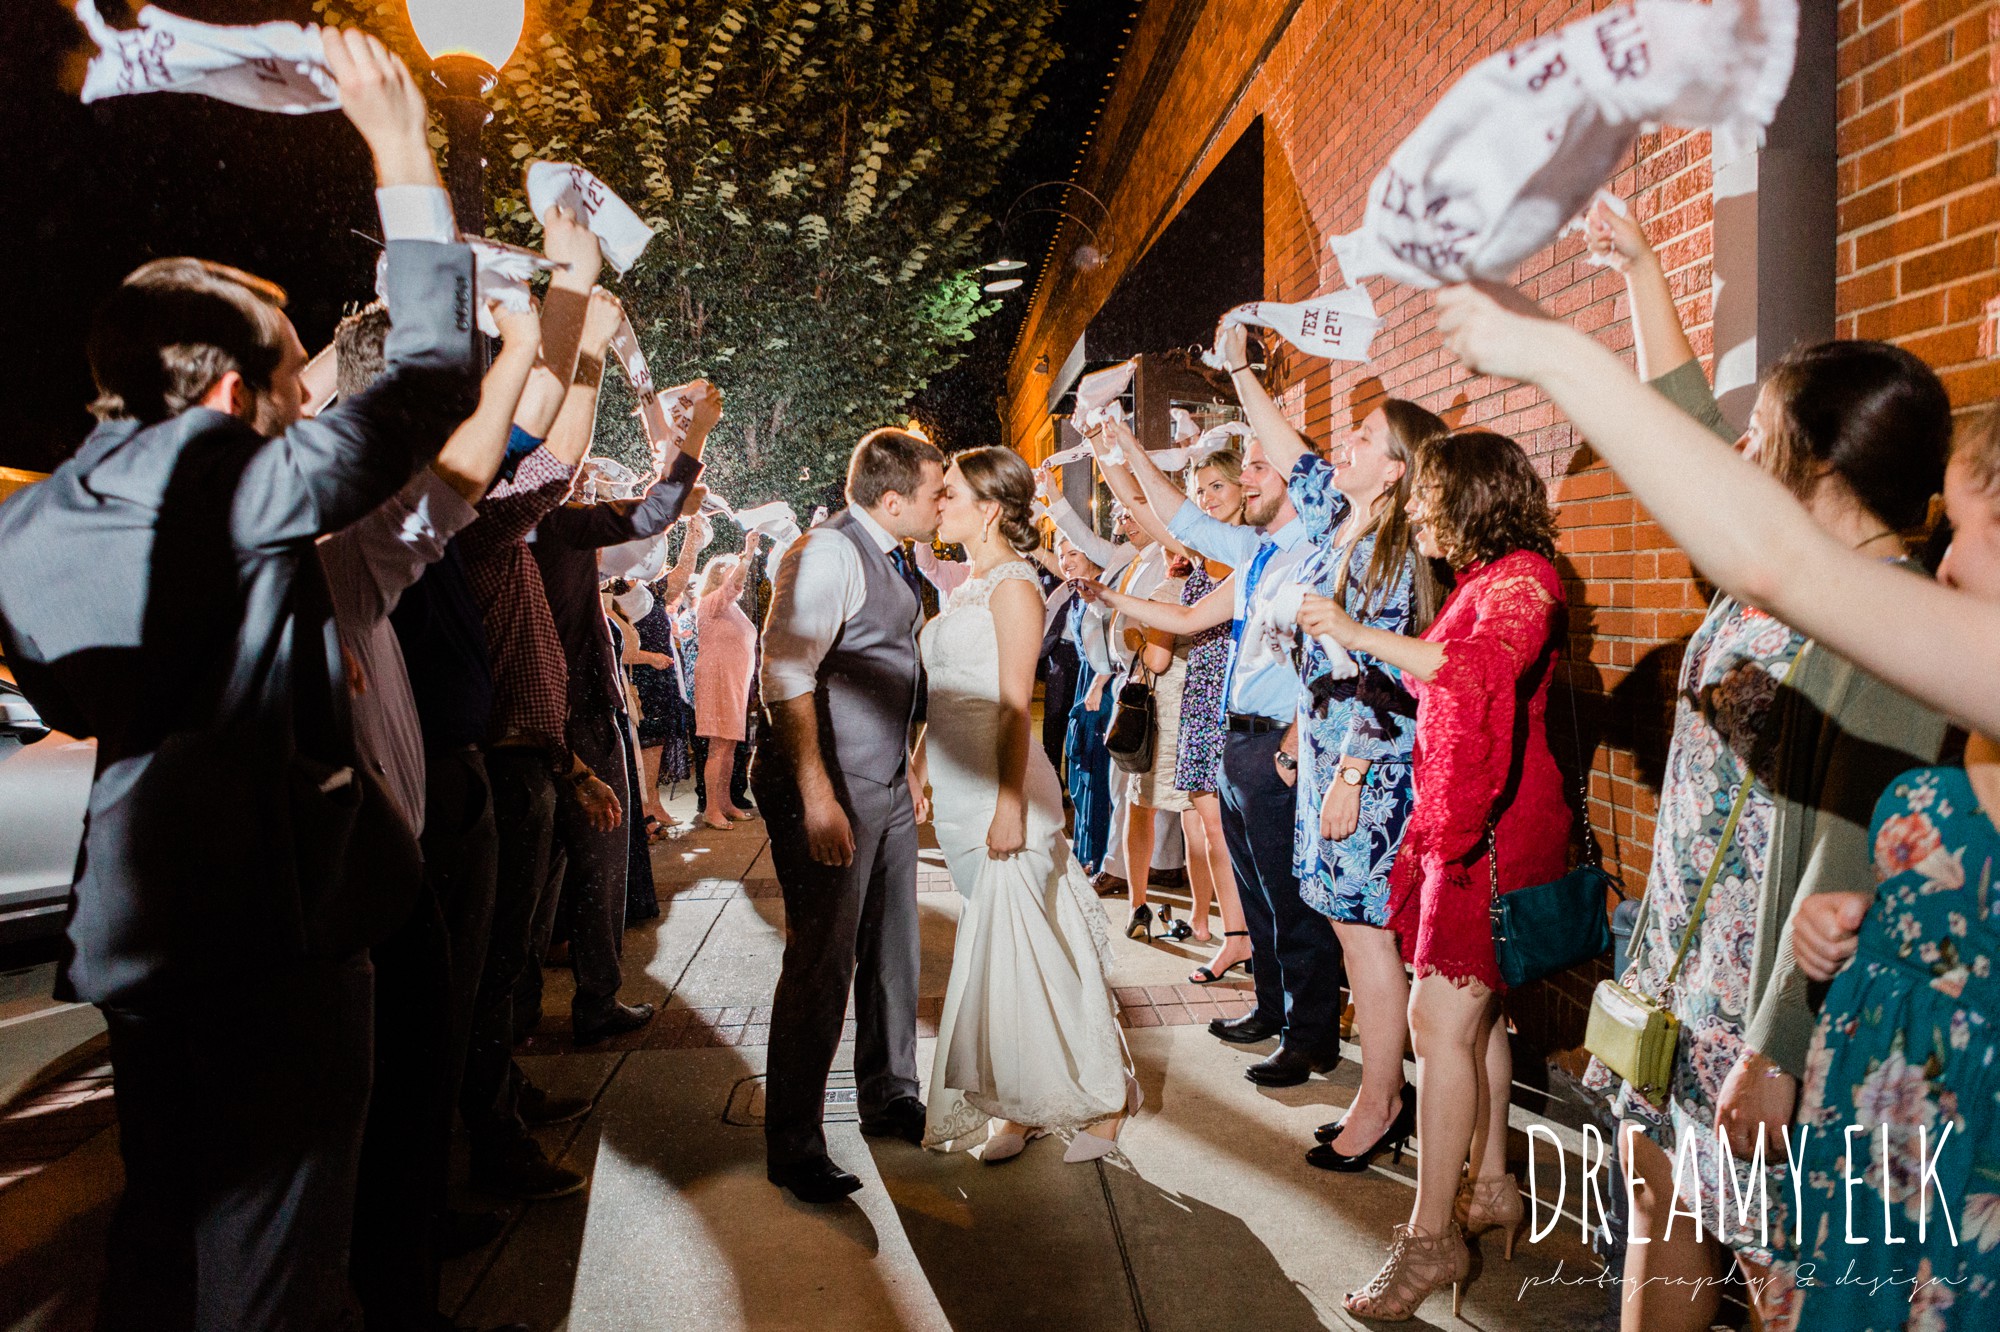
819	587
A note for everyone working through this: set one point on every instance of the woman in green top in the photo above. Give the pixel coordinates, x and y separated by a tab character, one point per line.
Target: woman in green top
1858	432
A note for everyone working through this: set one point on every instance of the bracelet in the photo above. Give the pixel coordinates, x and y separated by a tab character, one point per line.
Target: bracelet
1237	369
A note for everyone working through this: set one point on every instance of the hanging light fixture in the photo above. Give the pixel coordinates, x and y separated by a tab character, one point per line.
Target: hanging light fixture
1004	284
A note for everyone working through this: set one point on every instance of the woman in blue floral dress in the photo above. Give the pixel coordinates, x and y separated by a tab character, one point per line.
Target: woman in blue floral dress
1354	787
1347	828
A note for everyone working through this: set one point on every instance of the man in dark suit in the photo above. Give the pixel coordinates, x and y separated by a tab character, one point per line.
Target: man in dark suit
160	593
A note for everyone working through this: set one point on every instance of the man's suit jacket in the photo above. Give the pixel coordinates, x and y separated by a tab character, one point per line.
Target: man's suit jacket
160	593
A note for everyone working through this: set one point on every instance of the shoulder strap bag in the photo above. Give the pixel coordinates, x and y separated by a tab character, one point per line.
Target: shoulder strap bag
1134	723
1634	1034
1549	927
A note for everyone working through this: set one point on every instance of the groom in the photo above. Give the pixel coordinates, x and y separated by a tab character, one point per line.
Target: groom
843	691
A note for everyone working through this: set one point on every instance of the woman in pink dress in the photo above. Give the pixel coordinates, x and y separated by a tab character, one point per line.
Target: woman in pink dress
722	670
1485	780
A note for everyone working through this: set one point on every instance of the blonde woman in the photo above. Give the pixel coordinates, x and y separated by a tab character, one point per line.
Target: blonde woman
722	675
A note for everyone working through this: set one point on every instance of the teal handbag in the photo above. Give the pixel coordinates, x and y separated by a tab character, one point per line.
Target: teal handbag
1551	927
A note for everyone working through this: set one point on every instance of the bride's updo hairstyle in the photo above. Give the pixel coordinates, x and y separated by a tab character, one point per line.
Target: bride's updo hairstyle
999	476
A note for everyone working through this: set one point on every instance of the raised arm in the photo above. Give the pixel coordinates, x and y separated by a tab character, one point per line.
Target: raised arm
1126	489
574	249
1657	335
1740	526
471	457
692	541
569	437
1283	445
324	473
1166	498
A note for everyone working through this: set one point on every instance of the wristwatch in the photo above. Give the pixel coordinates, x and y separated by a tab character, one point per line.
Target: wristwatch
1287	762
1352	776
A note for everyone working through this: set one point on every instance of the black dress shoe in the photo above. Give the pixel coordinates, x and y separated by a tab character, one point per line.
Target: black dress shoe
538	1109
1246	1030
521	1171
621	1019
1393	1139
815	1181
1287	1068
902	1118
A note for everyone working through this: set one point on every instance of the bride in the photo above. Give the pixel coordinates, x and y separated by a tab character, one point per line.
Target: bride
1029	1040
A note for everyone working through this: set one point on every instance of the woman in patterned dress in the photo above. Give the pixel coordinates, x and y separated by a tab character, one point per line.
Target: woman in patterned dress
1859	432
1756	540
1217	490
1354	787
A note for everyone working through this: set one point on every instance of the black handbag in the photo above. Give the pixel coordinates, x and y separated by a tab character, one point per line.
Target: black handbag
1550	927
1134	725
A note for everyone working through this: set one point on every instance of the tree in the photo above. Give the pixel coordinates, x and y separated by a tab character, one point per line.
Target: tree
815	170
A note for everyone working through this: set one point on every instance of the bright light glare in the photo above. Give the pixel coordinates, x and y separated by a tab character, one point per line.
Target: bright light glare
1005	265
1004	284
487	29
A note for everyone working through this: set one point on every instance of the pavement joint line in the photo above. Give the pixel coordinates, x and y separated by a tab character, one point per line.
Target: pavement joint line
1124	1253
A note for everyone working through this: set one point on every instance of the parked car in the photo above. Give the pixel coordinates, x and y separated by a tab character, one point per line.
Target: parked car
44	790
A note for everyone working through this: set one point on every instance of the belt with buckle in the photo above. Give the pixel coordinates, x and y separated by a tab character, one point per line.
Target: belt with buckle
1244	723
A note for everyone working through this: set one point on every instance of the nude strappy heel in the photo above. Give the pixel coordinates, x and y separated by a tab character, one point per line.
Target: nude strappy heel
1417	1267
1491	1204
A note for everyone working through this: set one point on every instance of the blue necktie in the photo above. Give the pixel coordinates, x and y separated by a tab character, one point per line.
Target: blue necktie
1250	579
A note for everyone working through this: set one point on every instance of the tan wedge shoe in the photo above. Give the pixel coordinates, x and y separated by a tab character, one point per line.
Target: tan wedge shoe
1417	1266
1491	1204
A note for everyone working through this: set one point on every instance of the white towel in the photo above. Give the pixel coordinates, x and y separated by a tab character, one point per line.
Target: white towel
623	235
642	560
1267	635
776	518
636	601
265	66
1616	205
1519	144
1338	325
665	416
502	273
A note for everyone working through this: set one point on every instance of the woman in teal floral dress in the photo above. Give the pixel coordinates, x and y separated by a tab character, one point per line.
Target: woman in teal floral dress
1906	1040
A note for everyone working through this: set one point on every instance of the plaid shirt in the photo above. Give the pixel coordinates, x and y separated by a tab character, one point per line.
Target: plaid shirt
530	678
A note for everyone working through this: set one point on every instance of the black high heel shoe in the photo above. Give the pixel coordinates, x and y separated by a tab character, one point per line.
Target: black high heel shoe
1207	975
1394	1139
1140	924
1171	929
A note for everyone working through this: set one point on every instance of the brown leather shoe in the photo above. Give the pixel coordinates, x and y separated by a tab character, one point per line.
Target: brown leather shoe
1110	885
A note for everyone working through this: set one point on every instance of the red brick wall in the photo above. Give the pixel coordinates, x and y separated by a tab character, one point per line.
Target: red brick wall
1346	81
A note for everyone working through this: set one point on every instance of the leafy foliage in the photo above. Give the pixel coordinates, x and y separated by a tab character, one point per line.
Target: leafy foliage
815	170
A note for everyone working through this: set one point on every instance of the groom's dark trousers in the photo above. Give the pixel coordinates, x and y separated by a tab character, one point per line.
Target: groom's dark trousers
838	917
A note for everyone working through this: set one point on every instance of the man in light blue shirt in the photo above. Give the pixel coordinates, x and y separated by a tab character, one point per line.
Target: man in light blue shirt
1297	959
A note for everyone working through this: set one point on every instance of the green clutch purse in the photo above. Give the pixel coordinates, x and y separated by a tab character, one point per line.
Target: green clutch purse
1633	1034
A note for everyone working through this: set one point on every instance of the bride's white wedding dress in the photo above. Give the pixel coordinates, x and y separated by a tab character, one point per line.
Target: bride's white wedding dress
1029	1030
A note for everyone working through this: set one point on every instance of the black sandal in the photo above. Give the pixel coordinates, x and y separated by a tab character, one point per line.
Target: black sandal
1201	975
1171	929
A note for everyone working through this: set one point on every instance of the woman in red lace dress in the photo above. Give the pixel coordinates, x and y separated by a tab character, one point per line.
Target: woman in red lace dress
1481	677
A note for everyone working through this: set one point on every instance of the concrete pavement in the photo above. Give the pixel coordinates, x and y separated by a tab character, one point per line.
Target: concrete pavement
1209	1218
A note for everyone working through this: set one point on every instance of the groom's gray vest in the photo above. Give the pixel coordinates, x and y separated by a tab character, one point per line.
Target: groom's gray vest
871	679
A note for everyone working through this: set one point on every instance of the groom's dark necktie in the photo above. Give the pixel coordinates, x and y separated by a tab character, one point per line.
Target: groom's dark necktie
907	568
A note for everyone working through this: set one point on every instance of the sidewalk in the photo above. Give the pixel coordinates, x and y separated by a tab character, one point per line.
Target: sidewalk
1211	1220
